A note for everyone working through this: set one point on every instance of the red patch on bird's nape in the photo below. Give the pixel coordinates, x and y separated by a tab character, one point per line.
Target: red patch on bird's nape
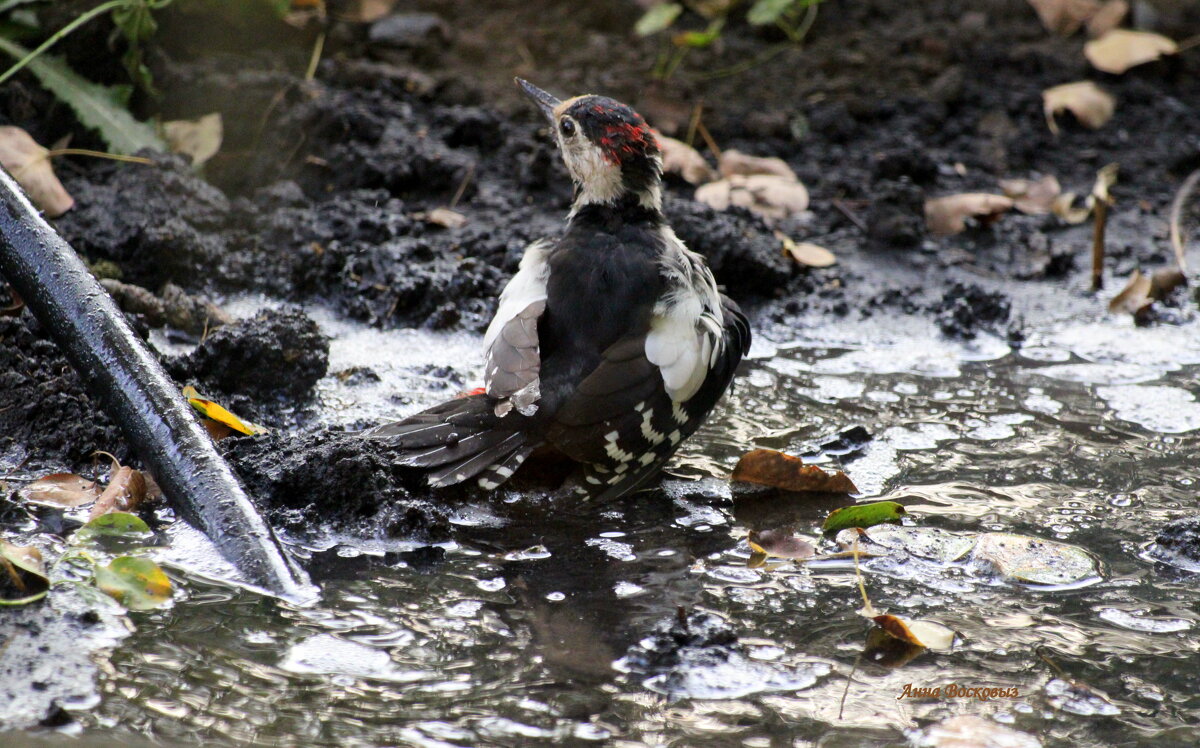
624	139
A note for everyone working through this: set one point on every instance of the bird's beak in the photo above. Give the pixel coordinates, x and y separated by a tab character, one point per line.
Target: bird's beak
545	102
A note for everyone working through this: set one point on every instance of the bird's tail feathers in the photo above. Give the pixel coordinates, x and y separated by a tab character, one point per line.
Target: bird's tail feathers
458	440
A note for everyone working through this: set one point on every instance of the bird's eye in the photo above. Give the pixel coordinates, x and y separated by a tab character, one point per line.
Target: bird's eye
567	127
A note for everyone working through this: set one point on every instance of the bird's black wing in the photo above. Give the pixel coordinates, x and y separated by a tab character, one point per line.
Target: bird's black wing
621	422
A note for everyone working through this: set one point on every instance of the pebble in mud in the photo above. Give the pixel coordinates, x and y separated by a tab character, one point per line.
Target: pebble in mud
966	310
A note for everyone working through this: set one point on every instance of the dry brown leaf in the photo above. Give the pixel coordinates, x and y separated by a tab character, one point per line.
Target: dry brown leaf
1091	105
770	196
124	493
1121	49
1106	177
198	138
780	544
30	165
928	634
1032	197
682	159
450	219
806	253
1107	18
1143	290
1064	208
768	467
734	162
948	215
61	489
1064	16
368	11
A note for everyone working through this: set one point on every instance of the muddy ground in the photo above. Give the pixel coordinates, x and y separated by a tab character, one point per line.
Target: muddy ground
318	193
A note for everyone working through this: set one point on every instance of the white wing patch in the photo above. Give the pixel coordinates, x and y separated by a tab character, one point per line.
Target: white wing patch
685	336
525	288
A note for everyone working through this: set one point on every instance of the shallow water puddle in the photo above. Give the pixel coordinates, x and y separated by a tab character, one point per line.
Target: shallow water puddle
541	626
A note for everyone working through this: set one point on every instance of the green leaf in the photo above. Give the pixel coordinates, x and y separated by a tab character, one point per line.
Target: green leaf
135	22
137	583
657	19
96	106
863	515
23	578
7	5
764	12
700	39
114	526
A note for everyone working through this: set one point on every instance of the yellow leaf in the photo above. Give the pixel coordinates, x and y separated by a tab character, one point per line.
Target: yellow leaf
215	412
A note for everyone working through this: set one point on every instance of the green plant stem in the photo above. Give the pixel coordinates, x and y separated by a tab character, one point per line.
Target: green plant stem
58	35
315	59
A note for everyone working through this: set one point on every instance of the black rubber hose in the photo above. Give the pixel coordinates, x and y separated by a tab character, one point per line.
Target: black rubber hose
122	373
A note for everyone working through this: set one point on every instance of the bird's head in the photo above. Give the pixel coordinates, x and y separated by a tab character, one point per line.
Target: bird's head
610	151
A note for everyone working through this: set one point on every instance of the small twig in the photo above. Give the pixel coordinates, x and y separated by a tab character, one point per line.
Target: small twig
1186	44
708	140
849	680
1177	205
845	210
462	186
693	123
316	57
1098	227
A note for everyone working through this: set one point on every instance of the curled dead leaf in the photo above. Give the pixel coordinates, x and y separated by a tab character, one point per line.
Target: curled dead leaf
768	467
948	215
61	489
682	159
1121	49
199	138
1032	197
927	634
806	253
1142	291
124	493
734	162
1090	104
29	164
1064	207
770	196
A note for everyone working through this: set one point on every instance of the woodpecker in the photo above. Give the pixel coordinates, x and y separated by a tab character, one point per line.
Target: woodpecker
611	344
